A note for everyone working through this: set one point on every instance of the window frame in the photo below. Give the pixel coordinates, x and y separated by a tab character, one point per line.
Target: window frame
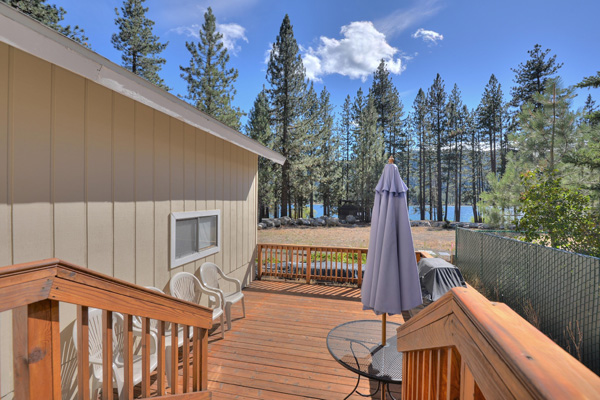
176	216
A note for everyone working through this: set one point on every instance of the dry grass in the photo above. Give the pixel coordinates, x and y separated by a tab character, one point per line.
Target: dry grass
424	238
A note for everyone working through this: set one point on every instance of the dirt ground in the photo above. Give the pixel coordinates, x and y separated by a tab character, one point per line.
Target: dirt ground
436	240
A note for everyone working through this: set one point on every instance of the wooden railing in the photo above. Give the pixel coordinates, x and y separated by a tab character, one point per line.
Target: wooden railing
33	292
321	263
466	347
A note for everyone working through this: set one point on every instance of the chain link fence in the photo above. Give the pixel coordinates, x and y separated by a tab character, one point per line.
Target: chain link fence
556	291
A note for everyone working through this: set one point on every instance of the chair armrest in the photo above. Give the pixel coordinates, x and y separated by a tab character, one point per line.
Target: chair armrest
237	282
214	292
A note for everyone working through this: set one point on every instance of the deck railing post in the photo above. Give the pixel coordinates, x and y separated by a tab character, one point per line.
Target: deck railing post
36	346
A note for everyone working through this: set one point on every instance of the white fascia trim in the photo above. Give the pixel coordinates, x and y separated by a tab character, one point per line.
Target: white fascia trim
30	36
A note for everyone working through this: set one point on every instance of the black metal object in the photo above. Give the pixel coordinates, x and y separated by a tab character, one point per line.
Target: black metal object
356	345
555	290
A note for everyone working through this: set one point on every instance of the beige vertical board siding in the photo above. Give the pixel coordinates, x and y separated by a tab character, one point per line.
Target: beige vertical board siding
162	202
211	179
237	224
70	222
33	231
6	375
99	185
5	203
228	228
189	177
176	171
124	187
144	195
200	177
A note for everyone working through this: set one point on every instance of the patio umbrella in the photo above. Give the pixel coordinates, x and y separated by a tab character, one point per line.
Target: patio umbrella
391	282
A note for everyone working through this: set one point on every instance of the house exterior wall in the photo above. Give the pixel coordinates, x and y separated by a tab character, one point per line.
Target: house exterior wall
90	176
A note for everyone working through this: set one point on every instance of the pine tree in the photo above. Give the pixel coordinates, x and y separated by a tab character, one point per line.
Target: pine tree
368	150
210	84
259	129
436	100
455	149
51	16
532	77
490	115
139	46
286	77
419	126
347	142
329	187
389	110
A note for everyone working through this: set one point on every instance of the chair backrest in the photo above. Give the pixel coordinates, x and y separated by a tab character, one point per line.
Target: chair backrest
185	286
209	274
95	336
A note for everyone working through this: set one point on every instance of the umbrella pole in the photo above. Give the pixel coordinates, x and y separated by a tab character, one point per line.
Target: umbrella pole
383	326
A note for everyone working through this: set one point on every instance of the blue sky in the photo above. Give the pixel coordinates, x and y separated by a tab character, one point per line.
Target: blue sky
343	41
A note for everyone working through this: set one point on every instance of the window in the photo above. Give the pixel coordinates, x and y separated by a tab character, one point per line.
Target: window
194	235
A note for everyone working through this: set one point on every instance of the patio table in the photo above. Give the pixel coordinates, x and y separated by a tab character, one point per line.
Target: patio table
356	345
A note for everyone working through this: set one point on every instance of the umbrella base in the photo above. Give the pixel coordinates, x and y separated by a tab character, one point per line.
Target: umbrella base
384	387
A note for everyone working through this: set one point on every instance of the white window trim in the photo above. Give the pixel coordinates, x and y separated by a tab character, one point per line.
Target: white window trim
176	262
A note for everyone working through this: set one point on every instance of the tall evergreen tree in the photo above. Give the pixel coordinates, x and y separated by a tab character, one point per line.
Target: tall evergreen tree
258	128
389	110
454	149
50	15
532	77
210	84
347	142
140	48
436	100
286	78
329	186
368	150
419	126
490	115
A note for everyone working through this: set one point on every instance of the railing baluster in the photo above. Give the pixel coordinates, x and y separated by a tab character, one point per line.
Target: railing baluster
196	360
174	357
260	258
107	355
146	357
359	268
160	374
127	392
83	354
308	264
204	359
186	359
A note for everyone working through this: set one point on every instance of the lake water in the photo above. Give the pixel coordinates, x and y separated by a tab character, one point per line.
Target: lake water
466	213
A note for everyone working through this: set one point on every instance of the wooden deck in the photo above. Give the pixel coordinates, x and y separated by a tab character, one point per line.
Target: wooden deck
279	350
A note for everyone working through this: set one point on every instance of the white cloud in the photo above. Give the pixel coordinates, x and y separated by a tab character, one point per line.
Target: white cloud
430	37
402	19
232	33
356	55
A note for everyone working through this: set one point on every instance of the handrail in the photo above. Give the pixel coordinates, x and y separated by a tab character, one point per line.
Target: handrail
464	346
34	290
323	263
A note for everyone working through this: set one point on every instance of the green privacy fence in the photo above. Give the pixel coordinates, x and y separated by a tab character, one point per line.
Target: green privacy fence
557	291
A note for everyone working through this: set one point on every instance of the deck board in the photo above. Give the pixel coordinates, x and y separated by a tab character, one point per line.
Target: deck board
279	350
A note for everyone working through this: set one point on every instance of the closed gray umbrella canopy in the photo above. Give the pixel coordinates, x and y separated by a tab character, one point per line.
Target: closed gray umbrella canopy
391	282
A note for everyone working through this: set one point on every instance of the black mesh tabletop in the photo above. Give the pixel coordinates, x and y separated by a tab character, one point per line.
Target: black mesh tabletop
357	346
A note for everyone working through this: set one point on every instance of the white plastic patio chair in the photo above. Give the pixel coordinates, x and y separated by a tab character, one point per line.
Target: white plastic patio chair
95	351
187	287
209	277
